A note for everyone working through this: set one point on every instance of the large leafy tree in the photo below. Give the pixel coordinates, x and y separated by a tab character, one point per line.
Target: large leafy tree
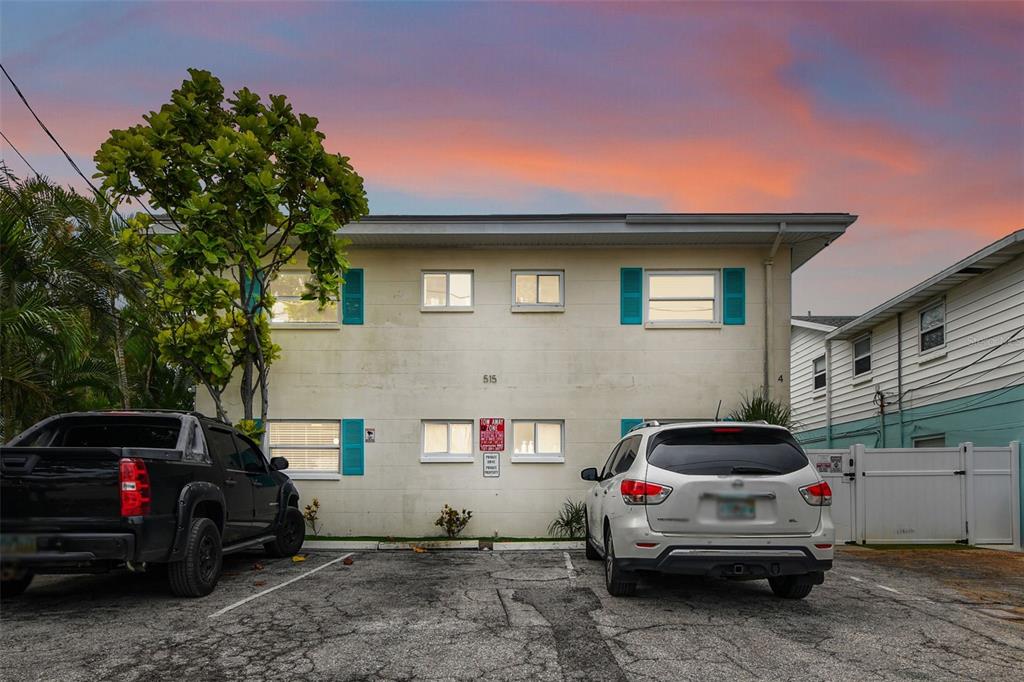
245	186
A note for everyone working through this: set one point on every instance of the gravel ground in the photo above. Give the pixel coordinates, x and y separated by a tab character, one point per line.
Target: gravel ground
474	615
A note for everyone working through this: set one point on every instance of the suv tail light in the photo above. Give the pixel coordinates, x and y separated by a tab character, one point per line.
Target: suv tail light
642	492
818	494
135	491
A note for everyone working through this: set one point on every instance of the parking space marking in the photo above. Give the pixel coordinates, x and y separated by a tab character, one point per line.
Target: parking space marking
853	577
277	587
569	569
888	589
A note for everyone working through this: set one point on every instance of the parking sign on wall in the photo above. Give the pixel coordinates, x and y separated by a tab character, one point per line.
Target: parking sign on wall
492	434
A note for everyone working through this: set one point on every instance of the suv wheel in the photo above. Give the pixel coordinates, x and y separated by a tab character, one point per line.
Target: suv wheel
588	543
791	586
197	574
619	583
290	535
12	587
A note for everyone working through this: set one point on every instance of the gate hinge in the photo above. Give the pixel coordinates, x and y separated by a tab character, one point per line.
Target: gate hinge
960	472
851	475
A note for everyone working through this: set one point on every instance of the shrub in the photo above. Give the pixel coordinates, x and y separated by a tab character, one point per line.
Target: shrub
310	514
758	406
453	521
570	522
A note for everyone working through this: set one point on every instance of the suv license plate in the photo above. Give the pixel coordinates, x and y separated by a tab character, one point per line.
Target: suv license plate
16	545
736	509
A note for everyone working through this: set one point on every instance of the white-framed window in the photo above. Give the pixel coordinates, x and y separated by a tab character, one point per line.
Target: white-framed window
290	309
538	290
538	440
447	441
309	446
935	441
683	297
447	290
820	373
933	327
862	355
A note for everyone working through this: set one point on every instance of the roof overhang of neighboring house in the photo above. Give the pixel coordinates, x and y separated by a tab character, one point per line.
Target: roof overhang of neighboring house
988	258
805	233
811	325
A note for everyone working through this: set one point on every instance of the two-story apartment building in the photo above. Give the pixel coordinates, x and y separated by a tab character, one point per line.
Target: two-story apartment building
482	361
940	364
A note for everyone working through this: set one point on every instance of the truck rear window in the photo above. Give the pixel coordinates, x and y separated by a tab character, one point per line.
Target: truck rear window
721	451
117	432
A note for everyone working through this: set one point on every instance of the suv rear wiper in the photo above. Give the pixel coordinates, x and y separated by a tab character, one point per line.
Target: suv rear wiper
753	470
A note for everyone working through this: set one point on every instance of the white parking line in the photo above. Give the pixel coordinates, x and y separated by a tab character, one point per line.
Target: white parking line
888	589
277	587
853	577
569	569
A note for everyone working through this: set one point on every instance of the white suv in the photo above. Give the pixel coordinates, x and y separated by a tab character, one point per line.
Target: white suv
725	499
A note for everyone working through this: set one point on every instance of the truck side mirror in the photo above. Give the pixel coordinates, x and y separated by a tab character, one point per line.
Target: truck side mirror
278	463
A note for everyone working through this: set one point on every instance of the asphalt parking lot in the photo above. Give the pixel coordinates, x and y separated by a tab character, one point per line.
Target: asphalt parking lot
540	615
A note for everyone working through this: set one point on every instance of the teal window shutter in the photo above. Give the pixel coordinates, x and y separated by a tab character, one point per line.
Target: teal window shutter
631	294
352	447
352	297
627	424
734	295
254	290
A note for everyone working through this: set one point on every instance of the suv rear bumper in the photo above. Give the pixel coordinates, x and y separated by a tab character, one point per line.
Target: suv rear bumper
60	552
731	561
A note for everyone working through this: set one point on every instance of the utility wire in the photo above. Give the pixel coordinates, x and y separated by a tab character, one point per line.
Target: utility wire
20	155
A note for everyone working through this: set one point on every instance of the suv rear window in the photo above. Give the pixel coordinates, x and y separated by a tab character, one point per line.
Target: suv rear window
718	451
117	432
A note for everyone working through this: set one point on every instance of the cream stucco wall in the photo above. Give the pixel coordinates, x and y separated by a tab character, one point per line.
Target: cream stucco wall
580	365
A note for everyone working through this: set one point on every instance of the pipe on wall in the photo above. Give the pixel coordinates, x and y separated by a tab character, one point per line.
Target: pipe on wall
828	393
899	372
769	304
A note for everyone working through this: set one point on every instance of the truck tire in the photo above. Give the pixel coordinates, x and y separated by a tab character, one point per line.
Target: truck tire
12	587
197	574
290	535
791	586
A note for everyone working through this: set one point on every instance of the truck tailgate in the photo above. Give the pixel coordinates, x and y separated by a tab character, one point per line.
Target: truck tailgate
56	482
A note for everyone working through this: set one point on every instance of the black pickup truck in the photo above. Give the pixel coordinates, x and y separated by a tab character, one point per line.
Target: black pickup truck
87	492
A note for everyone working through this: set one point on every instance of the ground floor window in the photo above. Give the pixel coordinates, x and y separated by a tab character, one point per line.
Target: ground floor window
537	441
938	441
447	441
310	446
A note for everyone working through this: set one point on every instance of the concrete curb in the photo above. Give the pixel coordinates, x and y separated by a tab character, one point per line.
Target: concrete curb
374	545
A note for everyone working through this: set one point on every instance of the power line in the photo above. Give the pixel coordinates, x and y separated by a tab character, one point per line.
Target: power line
20	155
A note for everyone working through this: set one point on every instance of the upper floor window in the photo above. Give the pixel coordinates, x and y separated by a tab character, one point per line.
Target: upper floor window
313	446
447	290
538	289
862	355
820	373
289	308
447	441
933	326
537	440
682	296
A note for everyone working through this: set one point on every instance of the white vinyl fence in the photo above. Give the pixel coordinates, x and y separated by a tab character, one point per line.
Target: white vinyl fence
964	494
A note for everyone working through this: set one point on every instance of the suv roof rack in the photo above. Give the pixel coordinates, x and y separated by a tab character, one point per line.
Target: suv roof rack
193	413
644	425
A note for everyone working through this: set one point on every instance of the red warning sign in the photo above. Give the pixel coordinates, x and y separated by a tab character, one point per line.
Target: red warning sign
492	434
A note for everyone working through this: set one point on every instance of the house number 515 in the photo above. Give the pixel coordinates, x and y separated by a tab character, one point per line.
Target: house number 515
490	378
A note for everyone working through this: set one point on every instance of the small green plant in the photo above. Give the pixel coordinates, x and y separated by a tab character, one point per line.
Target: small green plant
571	521
311	514
453	521
758	406
253	428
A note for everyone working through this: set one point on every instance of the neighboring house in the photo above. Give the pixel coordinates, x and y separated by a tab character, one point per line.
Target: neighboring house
959	365
570	328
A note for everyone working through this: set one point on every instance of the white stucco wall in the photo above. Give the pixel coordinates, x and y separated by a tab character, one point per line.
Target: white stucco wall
580	365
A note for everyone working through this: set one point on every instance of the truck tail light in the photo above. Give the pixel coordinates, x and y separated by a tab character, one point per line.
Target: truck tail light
642	492
818	494
135	490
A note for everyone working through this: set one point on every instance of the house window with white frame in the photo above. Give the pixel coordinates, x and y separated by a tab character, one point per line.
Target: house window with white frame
683	297
538	440
309	446
538	290
820	374
862	355
933	327
447	290
290	309
447	441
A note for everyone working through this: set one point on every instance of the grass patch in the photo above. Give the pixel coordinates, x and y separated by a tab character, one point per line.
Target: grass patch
432	538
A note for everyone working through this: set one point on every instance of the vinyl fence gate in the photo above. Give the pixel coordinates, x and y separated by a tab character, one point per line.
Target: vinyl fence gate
966	494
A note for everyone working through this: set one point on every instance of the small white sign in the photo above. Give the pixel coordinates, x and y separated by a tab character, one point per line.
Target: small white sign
371	435
492	466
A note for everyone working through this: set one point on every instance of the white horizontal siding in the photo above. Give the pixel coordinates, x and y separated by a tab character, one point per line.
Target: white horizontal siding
808	407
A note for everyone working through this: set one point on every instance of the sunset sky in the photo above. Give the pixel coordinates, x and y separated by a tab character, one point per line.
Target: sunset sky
910	115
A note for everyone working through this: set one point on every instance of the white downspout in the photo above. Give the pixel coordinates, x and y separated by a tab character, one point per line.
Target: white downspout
769	305
828	393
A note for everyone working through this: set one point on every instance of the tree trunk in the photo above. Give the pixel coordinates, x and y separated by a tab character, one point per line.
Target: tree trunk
122	369
246	389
